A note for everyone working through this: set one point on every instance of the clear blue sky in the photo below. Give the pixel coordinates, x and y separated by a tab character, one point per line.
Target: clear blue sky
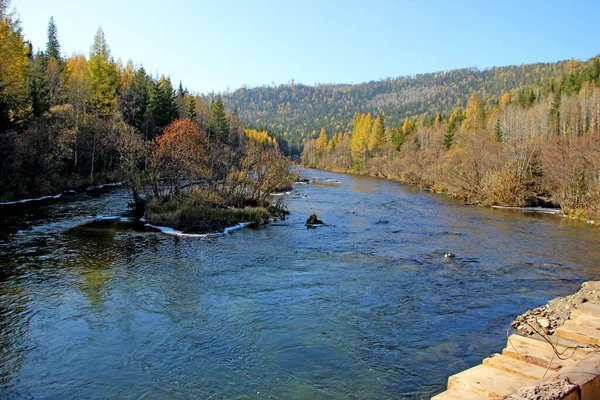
219	45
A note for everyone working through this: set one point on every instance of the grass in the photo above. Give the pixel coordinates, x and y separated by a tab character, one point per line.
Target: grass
186	215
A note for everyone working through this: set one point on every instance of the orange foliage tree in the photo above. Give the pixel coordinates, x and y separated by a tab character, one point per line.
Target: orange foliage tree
180	154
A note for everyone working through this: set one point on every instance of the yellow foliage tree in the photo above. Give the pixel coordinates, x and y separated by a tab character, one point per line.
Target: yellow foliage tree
359	143
322	141
377	137
262	138
408	127
505	100
13	71
78	85
474	114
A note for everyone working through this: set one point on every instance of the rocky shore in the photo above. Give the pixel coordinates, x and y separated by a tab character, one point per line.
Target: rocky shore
546	319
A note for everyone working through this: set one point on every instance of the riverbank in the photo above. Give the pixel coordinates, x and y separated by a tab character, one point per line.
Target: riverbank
71	184
541	209
66	192
555	354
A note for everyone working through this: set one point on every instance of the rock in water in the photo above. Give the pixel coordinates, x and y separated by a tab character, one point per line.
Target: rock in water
313	220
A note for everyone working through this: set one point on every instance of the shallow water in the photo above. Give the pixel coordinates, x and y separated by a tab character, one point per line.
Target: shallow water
365	307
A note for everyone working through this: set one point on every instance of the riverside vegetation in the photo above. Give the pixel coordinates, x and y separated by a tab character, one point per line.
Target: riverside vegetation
70	122
536	146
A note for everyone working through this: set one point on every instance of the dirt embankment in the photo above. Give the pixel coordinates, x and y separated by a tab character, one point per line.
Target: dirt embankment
547	318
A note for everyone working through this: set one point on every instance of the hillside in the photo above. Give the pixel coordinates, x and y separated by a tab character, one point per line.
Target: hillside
300	111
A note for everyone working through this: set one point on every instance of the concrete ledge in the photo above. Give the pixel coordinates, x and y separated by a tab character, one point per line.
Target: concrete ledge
578	381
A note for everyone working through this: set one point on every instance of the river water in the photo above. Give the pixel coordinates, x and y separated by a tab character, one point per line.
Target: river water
365	307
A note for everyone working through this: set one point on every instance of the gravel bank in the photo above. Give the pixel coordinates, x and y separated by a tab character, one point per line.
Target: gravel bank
547	318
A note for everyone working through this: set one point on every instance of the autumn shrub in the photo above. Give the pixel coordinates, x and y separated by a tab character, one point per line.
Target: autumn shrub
571	174
501	187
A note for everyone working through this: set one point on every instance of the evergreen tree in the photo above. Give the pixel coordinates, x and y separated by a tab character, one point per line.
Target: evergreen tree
133	95
218	126
52	46
182	103
38	94
498	132
190	111
453	124
163	103
555	110
449	136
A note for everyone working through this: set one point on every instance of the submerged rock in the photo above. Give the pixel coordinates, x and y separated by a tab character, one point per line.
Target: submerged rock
313	220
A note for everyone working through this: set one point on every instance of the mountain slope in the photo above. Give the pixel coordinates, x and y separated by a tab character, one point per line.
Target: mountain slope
298	112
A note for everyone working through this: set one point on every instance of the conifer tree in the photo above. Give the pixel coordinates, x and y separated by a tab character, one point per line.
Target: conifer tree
449	136
555	110
190	111
218	126
52	46
133	95
453	124
37	89
498	132
162	103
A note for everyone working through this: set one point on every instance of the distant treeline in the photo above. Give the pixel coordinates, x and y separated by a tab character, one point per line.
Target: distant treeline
67	122
539	146
299	111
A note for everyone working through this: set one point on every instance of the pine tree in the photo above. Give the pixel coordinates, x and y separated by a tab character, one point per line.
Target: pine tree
190	111
449	136
52	46
37	89
133	95
498	132
453	124
218	126
555	110
162	103
182	95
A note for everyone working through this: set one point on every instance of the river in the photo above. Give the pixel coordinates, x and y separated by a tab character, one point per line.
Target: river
365	307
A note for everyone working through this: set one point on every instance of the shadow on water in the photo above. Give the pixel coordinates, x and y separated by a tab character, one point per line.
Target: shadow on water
365	307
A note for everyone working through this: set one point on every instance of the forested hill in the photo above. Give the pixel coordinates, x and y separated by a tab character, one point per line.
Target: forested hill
300	111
